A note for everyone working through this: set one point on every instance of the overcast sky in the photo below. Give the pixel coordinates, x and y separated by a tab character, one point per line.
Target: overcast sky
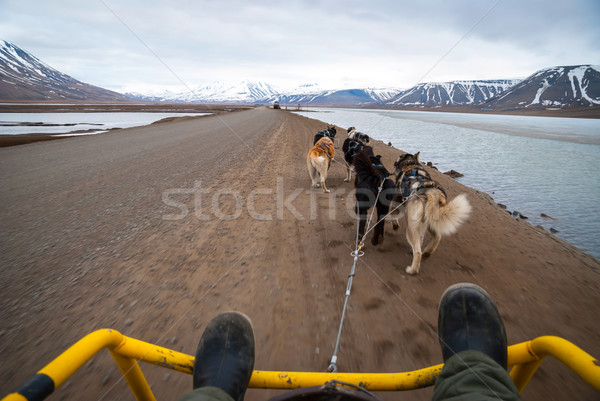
145	45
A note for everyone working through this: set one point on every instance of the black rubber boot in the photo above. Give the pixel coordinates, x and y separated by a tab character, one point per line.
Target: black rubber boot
469	320
225	355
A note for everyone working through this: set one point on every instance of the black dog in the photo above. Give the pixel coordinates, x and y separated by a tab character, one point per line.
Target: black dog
371	177
350	148
329	132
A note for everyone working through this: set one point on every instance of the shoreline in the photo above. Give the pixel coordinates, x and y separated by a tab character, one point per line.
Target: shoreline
592	112
52	107
488	126
23	139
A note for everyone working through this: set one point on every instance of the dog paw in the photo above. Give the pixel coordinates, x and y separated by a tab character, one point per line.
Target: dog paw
326	191
410	271
346	179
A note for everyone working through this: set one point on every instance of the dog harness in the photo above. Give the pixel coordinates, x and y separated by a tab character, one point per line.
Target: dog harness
354	148
327	133
325	148
322	134
413	180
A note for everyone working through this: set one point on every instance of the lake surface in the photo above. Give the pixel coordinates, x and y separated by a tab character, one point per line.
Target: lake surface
62	123
533	165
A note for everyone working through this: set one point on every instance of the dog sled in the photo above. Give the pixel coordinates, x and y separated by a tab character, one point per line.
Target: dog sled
523	359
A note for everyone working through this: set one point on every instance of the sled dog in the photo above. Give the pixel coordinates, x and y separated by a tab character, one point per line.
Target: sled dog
318	162
426	208
329	133
359	136
372	179
350	148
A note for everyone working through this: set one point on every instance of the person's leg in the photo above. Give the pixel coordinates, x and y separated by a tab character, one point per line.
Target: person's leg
472	375
224	359
473	343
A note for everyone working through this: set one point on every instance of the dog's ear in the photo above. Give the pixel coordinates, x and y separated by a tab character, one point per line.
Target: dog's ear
417	156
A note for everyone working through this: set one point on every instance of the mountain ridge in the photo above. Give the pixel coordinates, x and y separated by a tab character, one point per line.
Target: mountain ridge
23	77
561	86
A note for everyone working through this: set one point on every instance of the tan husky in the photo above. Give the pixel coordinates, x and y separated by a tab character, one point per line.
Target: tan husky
426	208
318	162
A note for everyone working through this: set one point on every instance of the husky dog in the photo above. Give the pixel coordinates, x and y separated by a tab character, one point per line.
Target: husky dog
359	136
329	133
372	179
426	208
350	148
318	162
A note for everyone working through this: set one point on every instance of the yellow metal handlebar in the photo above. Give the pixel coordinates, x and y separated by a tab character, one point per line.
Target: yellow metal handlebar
524	357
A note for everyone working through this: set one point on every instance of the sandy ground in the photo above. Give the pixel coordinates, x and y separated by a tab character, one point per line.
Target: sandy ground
152	231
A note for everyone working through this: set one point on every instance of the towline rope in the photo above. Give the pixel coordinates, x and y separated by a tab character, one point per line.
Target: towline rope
357	253
345	163
390	212
379	189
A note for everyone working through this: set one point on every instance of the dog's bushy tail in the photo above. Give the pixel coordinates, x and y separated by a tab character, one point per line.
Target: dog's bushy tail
447	218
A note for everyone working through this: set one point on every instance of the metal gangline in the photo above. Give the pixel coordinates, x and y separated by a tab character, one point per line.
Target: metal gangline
524	358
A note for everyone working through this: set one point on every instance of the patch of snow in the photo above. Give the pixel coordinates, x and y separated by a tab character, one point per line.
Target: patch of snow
577	78
540	91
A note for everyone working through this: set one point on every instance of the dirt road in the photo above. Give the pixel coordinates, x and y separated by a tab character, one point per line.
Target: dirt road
154	230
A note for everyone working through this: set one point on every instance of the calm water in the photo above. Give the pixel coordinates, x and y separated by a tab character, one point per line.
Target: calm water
531	164
99	122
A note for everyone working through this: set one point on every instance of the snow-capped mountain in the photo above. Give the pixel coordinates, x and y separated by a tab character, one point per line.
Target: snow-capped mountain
552	87
227	92
25	77
342	97
426	94
567	86
245	92
254	92
452	93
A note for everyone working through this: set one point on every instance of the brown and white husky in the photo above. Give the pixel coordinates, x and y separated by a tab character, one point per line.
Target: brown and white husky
318	162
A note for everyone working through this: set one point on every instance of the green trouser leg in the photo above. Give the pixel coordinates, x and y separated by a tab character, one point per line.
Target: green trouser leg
206	394
474	376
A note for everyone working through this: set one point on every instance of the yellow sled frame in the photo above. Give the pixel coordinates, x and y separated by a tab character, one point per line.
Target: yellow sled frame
524	358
